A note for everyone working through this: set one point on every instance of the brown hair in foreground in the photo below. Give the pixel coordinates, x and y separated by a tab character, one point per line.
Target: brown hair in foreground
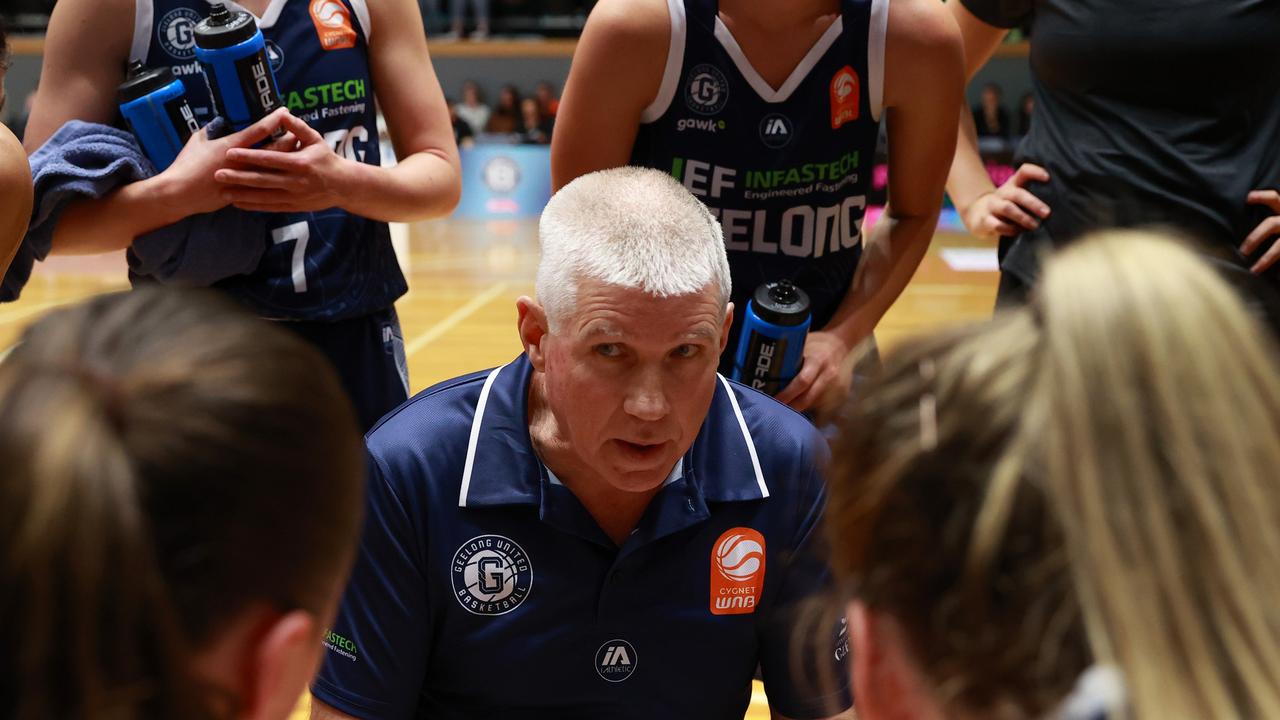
168	461
1092	478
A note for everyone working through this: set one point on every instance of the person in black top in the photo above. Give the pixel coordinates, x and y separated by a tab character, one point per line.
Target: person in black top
990	115
1144	114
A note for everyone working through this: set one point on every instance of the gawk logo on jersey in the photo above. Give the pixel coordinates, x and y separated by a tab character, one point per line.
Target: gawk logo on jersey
845	96
737	572
333	24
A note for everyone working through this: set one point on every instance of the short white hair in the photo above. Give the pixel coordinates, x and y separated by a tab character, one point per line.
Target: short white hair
628	227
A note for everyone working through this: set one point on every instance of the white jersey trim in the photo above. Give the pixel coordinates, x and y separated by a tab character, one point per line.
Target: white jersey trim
875	54
675	63
144	18
801	71
476	422
746	435
362	16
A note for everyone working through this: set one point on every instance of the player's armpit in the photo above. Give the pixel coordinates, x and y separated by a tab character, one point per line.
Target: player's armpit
320	711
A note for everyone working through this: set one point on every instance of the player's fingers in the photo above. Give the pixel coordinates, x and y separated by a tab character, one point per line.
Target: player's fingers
1030	172
1009	211
1270	198
285	143
299	127
254	179
1265	229
270	159
996	226
259	131
1029	202
799	384
1268	259
810	397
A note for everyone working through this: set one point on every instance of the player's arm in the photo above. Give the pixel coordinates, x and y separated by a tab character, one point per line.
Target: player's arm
15	188
427	180
616	72
320	711
987	211
923	84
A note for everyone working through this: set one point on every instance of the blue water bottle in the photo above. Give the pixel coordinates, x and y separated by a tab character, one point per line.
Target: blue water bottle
771	345
233	55
154	103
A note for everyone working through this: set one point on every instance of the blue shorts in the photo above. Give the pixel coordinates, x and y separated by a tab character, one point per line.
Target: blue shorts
368	353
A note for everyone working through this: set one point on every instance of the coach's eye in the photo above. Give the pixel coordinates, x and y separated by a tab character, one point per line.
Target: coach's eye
608	350
685	352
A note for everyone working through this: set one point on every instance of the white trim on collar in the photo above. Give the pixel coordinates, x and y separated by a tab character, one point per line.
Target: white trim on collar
801	71
746	435
269	16
476	421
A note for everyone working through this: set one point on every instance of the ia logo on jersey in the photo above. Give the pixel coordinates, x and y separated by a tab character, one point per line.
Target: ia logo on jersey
707	91
775	130
492	575
177	33
737	571
333	24
616	660
275	56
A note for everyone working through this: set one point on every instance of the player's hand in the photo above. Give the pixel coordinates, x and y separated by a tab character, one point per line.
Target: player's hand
1269	227
308	177
1010	208
822	377
191	176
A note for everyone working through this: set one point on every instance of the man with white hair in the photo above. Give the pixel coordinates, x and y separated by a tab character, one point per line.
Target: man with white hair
603	528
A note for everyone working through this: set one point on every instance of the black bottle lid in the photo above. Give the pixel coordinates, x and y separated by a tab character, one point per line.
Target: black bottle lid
781	303
142	81
224	28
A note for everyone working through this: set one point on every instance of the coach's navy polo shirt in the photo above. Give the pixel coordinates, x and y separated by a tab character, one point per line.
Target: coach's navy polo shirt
484	589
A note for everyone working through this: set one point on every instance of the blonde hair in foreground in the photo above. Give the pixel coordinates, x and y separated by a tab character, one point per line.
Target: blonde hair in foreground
1089	479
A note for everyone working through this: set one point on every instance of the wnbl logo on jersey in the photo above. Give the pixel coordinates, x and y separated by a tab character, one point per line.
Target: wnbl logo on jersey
333	24
707	90
776	130
845	96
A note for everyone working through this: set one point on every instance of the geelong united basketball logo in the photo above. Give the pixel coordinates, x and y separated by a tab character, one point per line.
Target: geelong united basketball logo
333	24
737	572
176	32
845	97
707	91
491	575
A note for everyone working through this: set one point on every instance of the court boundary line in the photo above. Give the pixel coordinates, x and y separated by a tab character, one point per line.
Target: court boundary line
454	318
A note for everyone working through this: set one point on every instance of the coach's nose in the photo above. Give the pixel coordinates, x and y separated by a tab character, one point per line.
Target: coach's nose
646	397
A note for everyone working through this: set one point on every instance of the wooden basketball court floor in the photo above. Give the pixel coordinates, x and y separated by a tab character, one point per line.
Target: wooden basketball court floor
464	277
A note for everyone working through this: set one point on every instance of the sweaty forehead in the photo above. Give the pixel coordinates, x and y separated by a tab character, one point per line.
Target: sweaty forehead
623	312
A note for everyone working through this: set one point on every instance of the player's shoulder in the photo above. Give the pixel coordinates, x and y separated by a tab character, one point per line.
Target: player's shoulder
431	428
787	443
922	26
630	22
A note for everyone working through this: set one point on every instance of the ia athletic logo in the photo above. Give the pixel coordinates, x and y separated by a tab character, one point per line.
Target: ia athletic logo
333	24
616	660
707	91
737	572
491	575
775	130
275	56
177	33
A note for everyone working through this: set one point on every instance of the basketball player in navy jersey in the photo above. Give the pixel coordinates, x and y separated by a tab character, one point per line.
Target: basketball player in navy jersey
329	269
769	112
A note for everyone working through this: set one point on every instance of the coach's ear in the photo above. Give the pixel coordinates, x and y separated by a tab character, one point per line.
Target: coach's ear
532	323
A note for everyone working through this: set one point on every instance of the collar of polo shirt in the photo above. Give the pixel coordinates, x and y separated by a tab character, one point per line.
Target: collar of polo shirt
502	469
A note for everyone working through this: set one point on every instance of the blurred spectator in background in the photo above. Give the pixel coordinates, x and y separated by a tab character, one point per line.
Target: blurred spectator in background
534	128
1024	113
462	132
457	9
548	103
472	109
990	115
506	114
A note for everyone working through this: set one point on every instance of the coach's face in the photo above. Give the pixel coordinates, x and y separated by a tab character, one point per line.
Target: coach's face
629	378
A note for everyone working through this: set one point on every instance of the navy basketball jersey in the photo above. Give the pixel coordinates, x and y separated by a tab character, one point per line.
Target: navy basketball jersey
324	265
785	170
